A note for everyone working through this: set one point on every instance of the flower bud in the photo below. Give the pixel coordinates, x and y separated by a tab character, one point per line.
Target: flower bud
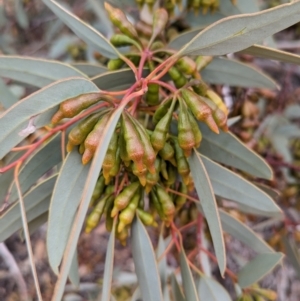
163	169
149	153
178	78
126	216
98	190
123	199
217	100
117	164
162	110
166	203
160	20
92	140
122	236
156	204
146	218
167	153
119	19
79	132
110	157
186	137
134	145
159	135
203	61
186	65
182	164
172	175
152	95
94	217
195	128
115	64
152	179
73	106
122	40
180	200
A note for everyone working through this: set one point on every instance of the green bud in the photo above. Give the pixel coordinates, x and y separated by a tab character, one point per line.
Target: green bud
123	199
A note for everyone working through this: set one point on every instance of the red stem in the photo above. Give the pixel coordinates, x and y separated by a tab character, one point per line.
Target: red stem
62	127
163	84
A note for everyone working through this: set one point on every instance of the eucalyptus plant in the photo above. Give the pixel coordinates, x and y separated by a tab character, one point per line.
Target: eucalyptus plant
142	142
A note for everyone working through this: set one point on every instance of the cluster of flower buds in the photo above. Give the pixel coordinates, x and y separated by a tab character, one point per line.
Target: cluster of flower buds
145	171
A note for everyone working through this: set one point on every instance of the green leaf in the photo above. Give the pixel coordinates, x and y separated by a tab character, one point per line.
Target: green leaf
248	6
292	111
116	80
201	20
243	233
45	101
233	73
35	72
176	290
36	202
109	264
227	149
257	268
86	195
35	224
7	98
21	15
90	70
74	273
83	30
187	278
206	195
238	32
37	165
184	38
64	203
210	289
231	186
145	263
272	54
292	254
229	9
162	265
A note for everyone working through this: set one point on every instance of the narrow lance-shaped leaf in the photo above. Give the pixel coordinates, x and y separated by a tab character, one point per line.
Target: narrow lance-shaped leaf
162	265
36	202
243	233
272	54
145	263
116	80
86	195
37	165
64	203
189	286
35	71
109	264
90	69
227	149
210	289
74	271
231	186
176	290
238	32
7	98
257	268
46	100
233	73
292	254
83	30
209	205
